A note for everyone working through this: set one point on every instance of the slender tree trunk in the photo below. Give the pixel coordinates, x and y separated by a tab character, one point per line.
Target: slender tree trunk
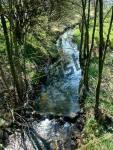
86	83
90	51
85	40
94	28
108	35
83	22
81	43
101	51
4	78
10	59
18	65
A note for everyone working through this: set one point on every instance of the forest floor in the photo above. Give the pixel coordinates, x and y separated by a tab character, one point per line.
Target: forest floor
96	136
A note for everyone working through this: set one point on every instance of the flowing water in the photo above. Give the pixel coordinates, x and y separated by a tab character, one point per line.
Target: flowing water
60	95
62	91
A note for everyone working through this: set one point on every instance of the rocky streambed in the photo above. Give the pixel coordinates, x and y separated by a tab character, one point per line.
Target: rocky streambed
58	121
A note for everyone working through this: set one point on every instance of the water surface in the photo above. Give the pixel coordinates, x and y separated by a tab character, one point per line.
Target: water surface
61	93
59	96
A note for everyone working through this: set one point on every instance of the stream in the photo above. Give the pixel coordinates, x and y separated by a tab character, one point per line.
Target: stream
61	93
59	96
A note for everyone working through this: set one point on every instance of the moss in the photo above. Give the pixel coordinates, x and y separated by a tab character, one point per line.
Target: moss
76	36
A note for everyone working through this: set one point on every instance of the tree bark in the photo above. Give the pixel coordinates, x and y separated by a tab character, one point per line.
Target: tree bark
101	51
90	51
10	58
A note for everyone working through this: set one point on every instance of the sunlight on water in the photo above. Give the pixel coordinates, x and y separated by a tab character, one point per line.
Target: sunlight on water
46	135
59	96
61	93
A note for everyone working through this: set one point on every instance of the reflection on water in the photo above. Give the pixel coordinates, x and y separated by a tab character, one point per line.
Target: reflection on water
60	95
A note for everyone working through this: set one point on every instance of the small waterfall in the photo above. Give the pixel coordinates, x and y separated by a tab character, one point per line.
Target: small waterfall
60	96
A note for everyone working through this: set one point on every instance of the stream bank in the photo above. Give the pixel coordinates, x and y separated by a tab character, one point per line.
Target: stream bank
58	121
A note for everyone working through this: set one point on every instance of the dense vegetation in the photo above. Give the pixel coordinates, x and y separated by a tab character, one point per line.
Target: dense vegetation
29	30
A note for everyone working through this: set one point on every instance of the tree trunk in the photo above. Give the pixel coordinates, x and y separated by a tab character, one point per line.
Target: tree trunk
10	59
101	51
90	51
4	78
86	83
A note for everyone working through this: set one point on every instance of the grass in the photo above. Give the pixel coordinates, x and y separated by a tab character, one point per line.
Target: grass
104	142
94	136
